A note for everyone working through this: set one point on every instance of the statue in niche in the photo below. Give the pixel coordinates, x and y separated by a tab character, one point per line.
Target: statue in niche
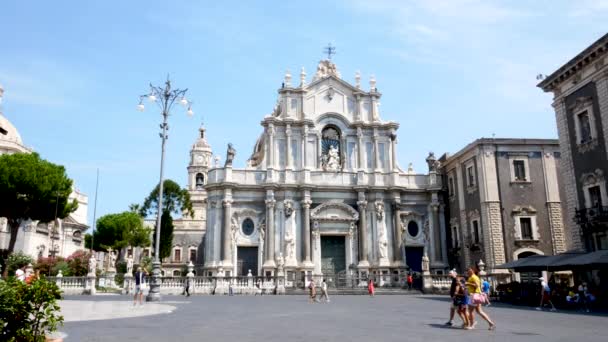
290	243
262	229
379	211
427	230
230	153
382	242
234	227
330	144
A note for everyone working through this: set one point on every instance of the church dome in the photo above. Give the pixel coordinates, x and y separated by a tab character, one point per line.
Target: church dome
8	132
10	139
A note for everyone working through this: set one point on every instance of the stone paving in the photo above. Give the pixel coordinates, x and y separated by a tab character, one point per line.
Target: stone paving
291	318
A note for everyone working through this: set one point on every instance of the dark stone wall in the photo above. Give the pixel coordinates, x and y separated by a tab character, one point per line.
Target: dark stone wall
589	161
531	193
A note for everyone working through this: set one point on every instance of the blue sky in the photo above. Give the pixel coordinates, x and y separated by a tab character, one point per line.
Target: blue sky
450	71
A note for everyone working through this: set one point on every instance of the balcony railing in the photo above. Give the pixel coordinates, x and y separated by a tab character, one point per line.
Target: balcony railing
591	218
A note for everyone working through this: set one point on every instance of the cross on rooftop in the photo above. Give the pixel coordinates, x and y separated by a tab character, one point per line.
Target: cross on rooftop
329	50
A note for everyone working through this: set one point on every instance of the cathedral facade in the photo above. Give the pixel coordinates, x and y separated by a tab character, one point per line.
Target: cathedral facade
322	193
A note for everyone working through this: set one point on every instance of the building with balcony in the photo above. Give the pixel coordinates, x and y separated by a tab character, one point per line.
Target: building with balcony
580	89
504	202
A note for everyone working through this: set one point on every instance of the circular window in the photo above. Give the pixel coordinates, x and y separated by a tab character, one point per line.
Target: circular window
247	227
412	228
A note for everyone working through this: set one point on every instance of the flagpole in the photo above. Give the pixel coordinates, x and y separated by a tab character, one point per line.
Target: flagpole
95	212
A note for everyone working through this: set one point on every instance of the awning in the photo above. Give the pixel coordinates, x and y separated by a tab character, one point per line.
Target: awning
523	263
559	262
588	260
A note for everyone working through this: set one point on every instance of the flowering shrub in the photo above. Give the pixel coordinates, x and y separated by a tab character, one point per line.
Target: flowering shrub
28	311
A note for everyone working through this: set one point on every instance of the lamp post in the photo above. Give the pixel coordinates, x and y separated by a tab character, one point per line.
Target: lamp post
165	98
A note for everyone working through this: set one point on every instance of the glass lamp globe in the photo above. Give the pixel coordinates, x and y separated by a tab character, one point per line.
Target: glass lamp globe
183	102
140	107
190	112
151	97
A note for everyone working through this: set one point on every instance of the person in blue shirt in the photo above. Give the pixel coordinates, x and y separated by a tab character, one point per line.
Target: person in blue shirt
485	289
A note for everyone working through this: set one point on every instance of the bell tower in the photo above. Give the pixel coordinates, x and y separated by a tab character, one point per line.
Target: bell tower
200	162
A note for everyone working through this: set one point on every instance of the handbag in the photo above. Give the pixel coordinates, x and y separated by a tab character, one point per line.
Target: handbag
477	298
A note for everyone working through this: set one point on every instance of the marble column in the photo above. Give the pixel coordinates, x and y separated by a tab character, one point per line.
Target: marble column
376	151
393	164
360	148
306	232
226	233
305	148
362	204
271	148
270	203
436	232
289	157
397	234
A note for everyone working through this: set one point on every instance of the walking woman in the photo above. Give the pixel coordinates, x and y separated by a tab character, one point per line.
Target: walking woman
476	298
313	291
370	288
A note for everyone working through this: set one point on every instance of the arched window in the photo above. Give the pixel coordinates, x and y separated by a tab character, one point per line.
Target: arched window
247	227
177	273
331	150
200	181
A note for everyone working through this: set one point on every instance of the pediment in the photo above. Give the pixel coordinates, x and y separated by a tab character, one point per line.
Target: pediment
334	211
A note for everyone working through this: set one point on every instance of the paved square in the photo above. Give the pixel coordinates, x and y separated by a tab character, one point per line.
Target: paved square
346	318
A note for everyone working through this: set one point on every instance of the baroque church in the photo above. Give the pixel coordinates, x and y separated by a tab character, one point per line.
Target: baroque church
322	193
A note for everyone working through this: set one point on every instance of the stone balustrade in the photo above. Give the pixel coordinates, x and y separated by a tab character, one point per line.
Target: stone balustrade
259	177
70	285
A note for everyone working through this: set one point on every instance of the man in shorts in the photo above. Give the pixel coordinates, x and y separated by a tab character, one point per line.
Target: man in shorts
139	283
453	307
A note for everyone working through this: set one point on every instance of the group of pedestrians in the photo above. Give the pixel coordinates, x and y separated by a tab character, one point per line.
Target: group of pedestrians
468	294
312	290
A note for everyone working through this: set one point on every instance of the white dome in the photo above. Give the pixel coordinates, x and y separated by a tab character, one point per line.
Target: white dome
10	139
8	131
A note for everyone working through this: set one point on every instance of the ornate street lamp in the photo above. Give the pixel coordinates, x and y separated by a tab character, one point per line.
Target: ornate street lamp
165	98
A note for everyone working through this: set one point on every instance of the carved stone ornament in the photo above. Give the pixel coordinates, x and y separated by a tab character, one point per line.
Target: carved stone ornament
326	68
288	207
523	210
334	211
581	103
592	178
474	215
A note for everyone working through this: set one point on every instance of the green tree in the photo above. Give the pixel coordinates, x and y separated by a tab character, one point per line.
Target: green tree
175	201
32	188
117	231
166	235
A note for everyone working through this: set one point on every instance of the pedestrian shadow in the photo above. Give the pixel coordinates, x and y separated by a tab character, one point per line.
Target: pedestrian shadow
439	326
522	307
